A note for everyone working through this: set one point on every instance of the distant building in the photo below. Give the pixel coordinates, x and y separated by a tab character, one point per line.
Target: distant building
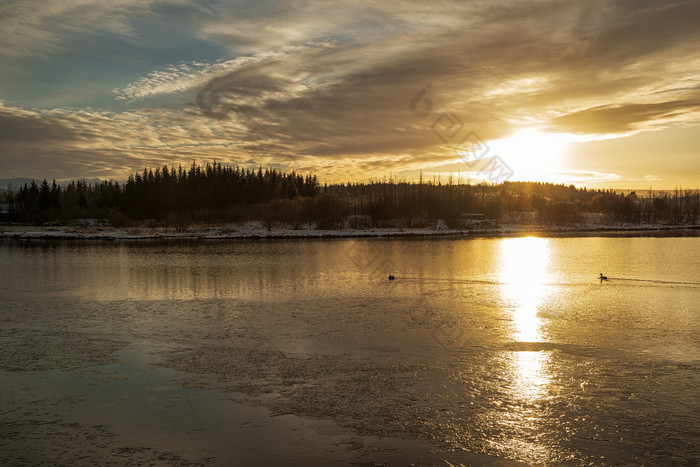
4	212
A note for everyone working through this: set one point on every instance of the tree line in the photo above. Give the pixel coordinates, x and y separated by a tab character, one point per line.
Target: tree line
422	204
214	193
156	194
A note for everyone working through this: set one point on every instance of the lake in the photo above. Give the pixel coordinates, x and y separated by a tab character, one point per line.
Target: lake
301	352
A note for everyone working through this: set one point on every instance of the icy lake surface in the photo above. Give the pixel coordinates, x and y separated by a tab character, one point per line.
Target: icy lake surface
302	352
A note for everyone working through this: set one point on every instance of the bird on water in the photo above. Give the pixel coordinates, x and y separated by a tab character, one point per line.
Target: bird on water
391	278
602	277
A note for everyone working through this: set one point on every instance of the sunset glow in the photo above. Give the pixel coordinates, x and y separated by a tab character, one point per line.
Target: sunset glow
533	154
600	94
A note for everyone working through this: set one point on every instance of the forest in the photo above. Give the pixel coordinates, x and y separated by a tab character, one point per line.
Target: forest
214	193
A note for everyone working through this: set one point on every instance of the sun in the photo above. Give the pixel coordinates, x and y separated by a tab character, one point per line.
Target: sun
532	154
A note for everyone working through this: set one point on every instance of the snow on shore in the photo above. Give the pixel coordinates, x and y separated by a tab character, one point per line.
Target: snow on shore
252	230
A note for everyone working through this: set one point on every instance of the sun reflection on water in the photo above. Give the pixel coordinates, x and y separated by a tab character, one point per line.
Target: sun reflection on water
524	274
531	375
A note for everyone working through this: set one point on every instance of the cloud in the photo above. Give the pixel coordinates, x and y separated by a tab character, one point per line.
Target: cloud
327	87
173	79
184	77
587	177
26	128
43	27
67	144
62	144
624	118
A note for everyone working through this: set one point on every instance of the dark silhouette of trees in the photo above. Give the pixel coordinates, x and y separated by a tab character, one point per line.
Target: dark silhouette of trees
217	193
163	193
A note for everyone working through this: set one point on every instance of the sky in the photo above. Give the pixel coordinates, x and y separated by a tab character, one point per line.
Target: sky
603	94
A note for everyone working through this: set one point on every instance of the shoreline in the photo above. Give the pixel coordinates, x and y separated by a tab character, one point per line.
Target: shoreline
254	230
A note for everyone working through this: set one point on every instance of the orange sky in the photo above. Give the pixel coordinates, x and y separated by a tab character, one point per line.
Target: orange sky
595	93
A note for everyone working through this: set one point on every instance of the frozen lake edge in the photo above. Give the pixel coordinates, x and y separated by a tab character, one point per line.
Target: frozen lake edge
254	230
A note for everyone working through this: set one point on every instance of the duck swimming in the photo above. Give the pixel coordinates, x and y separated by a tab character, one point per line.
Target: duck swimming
391	278
602	277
